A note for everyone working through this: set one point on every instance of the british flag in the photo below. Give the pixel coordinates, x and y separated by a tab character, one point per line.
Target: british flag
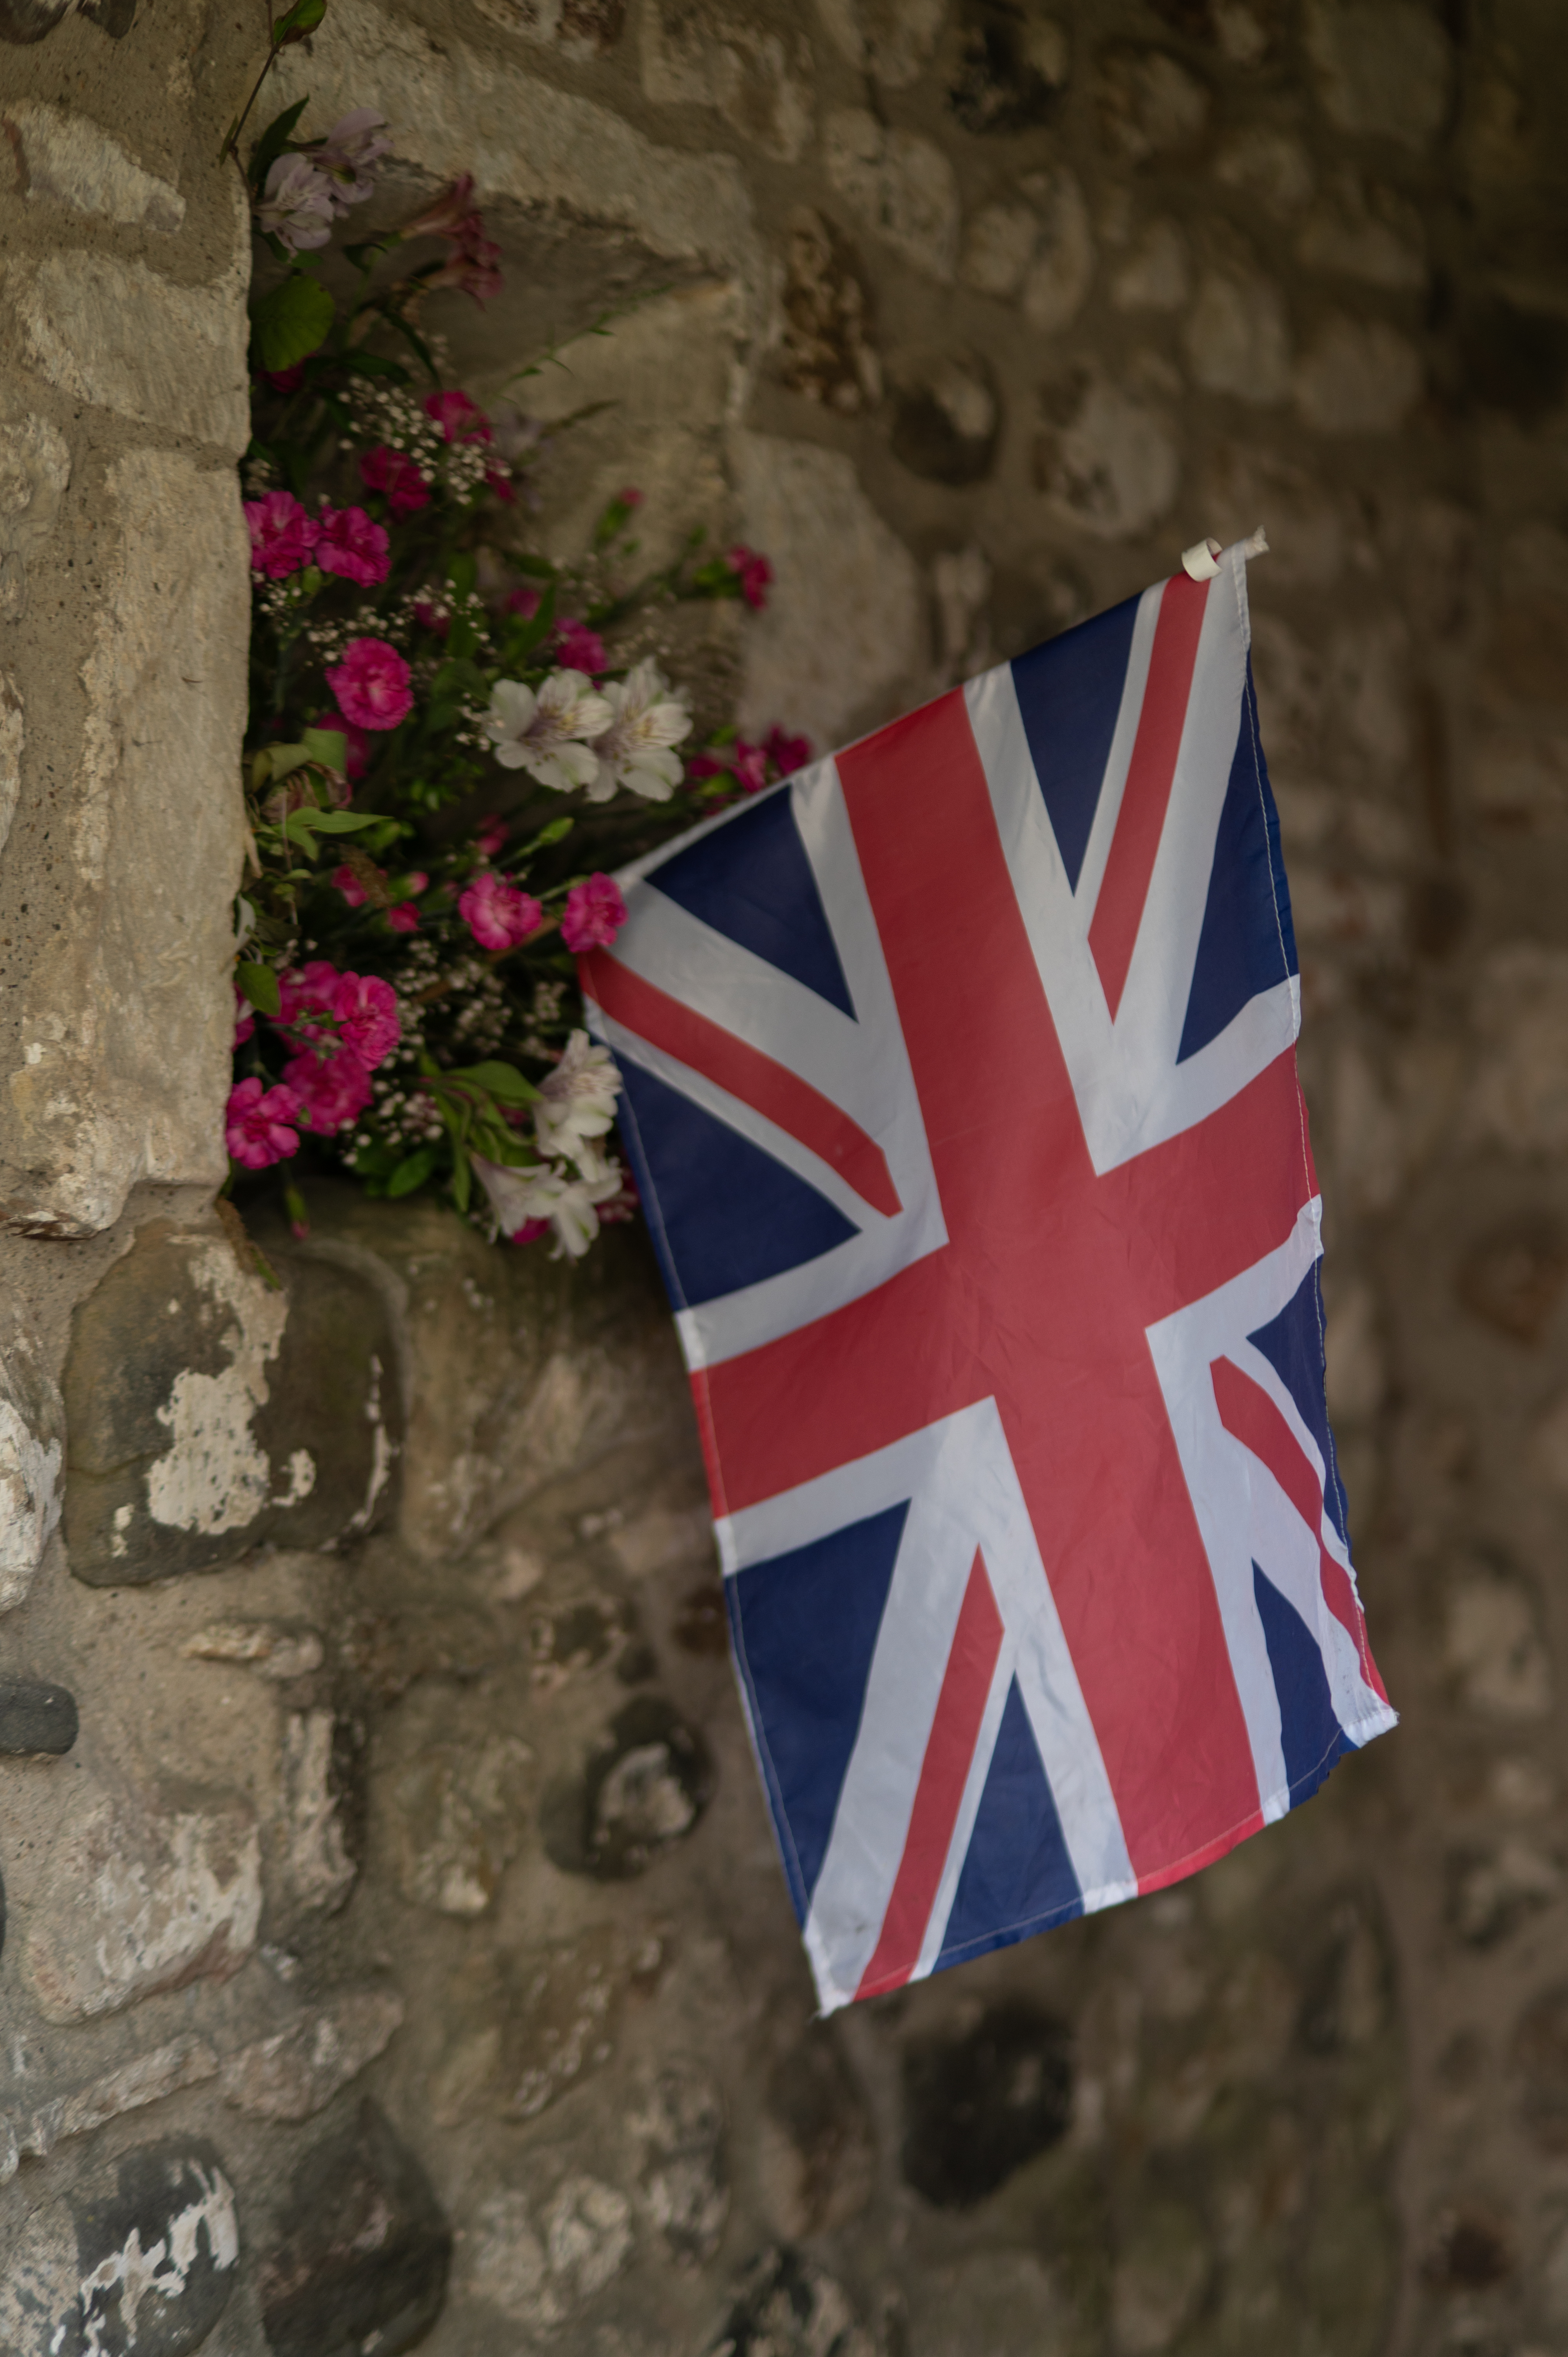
959	1078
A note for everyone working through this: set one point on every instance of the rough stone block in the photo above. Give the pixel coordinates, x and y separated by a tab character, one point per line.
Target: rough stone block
141	1898
125	1020
31	1447
116	335
364	2249
791	2307
1357	376
846	626
210	1409
158	2256
1107	460
36	1717
34	468
900	185
297	2073
541	2262
889	40
695	54
1382	67
66	160
185	2062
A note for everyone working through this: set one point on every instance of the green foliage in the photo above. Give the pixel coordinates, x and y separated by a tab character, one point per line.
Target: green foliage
292	320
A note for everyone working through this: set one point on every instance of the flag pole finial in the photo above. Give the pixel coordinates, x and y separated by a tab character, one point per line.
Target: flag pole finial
1202	559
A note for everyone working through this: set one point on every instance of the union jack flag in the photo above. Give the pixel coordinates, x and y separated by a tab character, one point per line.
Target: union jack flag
960	1086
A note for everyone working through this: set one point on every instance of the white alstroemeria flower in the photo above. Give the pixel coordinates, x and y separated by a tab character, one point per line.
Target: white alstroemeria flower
355	143
577	1103
648	717
519	1195
542	732
297	203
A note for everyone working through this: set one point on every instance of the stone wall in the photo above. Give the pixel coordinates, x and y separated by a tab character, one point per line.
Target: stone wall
396	1952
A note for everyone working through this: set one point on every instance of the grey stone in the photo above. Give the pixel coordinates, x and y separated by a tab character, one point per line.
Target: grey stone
1372	235
40	2314
1237	337
363	2249
946	418
889	40
138	985
541	2263
999	245
31	1449
1493	1648
36	1717
825	348
272	1651
296	2071
844	625
1106	460
66	160
35	469
1491	1892
237	1410
562	2017
1357	377
185	2061
678	2129
818	2150
1013	66
318	1824
117	336
695	53
1147	104
142	1898
581	29
454	1821
12	737
899	184
1268	164
1539	2056
1062	269
787	2306
1160	2276
1518	1096
1382	67
158	2257
645	1785
1156	274
977	2107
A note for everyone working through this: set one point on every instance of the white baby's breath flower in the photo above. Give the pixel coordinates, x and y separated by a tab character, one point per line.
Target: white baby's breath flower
648	717
577	1104
520	1196
542	732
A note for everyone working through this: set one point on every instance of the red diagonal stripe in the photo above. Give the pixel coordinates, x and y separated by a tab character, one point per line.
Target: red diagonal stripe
769	1087
944	1771
1250	1416
1119	911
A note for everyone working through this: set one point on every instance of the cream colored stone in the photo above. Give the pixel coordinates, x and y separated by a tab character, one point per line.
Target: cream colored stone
845	629
69	160
186	2061
1267	164
117	336
889	40
137	1902
34	468
1382	67
316	1866
698	54
296	2071
1156	275
1492	1646
30	1459
1112	465
1148	103
1518	1097
12	737
999	247
1373	235
1357	376
136	989
215	1476
900	186
1238	339
1060	277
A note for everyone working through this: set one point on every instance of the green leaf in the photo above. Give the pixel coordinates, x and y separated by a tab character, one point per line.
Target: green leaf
462	1177
295	23
328	745
462	574
502	1081
411	1172
557	831
273	142
298	1211
260	984
291	321
339	822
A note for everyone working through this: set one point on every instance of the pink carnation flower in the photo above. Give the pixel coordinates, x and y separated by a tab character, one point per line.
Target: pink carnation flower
404	919
282	535
497	914
525	602
349	886
754	572
255	1126
751	766
306	994
490	837
368	1020
356	744
788	753
371	684
395	474
594	914
348	543
529	1232
579	649
459	418
329	1090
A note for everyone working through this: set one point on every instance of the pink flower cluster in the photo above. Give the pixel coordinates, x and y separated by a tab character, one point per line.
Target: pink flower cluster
471	263
593	915
752	571
284	539
403	916
497	914
579	649
342	1026
459	417
371	685
749	765
395	475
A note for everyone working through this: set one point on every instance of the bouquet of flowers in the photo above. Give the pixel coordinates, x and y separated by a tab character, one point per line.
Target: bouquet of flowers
448	731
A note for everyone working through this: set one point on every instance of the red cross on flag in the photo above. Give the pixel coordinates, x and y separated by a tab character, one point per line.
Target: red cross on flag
959	1078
